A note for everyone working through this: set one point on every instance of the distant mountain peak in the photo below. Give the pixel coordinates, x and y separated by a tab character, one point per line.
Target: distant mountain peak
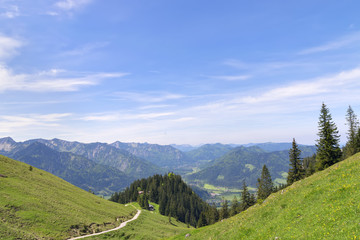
7	144
7	140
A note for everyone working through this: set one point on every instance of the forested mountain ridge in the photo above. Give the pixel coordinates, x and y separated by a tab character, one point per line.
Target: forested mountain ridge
164	156
97	167
209	152
244	164
75	169
107	155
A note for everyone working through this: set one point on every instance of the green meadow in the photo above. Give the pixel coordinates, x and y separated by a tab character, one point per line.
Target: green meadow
323	206
35	204
149	225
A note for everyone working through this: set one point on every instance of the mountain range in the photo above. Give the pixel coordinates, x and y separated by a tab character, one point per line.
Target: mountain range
105	168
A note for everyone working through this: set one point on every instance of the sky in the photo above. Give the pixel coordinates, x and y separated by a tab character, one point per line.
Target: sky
177	72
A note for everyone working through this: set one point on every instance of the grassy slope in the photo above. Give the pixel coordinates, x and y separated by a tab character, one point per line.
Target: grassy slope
323	206
35	204
149	225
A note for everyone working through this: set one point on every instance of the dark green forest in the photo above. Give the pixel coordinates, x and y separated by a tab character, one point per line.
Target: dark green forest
175	198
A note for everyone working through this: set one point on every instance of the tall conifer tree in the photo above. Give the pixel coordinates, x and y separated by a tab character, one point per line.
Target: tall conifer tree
235	207
352	145
296	171
224	212
246	200
265	184
328	149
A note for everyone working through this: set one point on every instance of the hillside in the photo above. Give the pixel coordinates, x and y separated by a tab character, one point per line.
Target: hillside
150	225
323	206
209	152
35	204
107	155
244	163
75	169
164	156
82	164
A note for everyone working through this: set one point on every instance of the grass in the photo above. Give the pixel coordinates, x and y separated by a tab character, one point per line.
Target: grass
36	204
323	206
149	225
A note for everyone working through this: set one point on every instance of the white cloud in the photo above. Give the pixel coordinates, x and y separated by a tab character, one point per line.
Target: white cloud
117	116
87	48
329	84
13	123
50	81
232	77
8	46
154	97
11	11
68	5
339	43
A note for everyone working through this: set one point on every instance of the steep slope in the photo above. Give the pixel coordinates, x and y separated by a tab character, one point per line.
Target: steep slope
164	156
35	204
107	155
243	163
100	153
75	169
323	206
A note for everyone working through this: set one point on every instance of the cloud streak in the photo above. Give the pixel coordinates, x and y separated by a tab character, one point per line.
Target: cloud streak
232	77
68	5
339	43
50	81
13	123
11	11
154	97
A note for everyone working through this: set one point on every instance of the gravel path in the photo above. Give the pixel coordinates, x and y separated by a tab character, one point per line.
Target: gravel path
114	229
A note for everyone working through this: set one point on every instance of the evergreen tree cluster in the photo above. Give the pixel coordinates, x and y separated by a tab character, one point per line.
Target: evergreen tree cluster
247	199
174	197
328	147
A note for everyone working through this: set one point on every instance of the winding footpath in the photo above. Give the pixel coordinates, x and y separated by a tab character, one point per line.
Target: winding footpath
114	229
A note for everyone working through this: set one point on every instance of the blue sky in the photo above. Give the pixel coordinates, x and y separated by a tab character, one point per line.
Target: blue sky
180	72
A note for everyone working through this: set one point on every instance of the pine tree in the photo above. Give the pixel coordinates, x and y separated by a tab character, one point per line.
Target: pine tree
309	165
352	146
246	200
265	184
328	150
296	171
235	207
202	220
224	213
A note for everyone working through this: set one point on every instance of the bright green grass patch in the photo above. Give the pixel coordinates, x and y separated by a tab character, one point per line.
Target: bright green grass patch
280	181
220	177
36	204
149	225
212	188
323	206
250	166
